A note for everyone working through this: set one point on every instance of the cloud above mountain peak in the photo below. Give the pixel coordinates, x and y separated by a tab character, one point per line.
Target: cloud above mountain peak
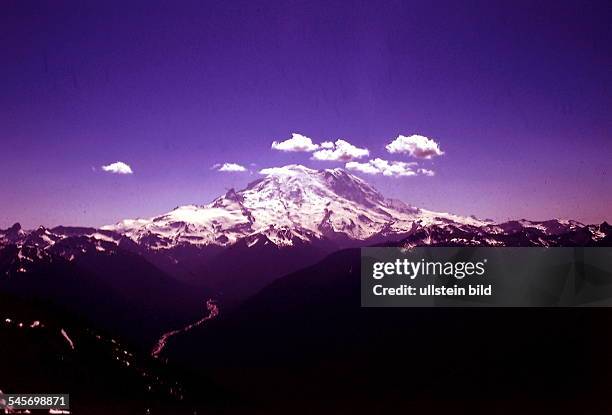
387	168
288	170
417	146
229	167
341	150
118	167
297	143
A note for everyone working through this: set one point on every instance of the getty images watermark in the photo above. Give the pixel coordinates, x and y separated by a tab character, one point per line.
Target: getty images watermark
487	276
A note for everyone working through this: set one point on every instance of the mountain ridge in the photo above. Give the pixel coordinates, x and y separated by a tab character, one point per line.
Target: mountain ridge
293	205
288	219
289	203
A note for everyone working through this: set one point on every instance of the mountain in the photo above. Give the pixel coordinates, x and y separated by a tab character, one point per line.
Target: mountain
290	204
304	344
516	233
281	259
290	218
47	350
87	272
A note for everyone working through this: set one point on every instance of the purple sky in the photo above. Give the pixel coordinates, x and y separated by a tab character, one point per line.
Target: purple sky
517	94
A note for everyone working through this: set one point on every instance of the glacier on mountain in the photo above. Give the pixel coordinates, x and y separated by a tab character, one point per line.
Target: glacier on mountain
289	203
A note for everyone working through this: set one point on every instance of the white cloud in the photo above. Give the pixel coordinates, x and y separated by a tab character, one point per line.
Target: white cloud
297	142
118	167
417	146
281	171
229	167
426	172
387	168
340	151
367	168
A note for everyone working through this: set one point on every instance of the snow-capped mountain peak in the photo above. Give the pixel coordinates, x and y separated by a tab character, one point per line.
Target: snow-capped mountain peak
319	210
287	204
